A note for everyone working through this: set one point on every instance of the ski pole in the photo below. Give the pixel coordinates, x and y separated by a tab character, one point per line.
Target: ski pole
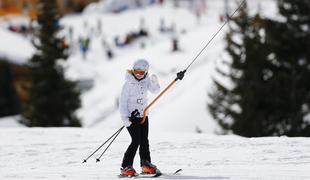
117	132
98	159
180	74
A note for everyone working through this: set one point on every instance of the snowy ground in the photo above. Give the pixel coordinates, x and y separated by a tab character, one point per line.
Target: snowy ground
58	153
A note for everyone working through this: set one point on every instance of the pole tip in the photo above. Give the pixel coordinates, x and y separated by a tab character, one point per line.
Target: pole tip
84	161
97	160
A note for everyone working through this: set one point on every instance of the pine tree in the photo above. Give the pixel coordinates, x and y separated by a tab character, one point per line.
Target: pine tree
9	103
242	107
53	98
289	41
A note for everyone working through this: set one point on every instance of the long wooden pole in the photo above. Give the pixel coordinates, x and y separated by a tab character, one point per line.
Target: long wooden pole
163	92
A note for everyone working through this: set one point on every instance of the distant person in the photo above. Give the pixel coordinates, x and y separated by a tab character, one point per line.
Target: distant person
117	42
107	49
133	101
84	46
175	40
175	44
13	29
71	32
62	44
109	53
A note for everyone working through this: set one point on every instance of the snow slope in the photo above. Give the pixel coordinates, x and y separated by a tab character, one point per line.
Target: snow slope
54	154
185	104
109	75
57	153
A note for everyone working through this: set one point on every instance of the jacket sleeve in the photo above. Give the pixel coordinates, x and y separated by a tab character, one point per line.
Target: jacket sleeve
123	105
153	85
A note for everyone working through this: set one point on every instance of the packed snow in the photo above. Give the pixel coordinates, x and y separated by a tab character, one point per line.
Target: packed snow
182	132
58	153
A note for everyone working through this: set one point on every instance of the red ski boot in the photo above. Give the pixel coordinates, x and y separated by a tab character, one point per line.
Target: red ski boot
128	171
149	168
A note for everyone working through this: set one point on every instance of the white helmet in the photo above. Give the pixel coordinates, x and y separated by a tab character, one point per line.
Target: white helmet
141	64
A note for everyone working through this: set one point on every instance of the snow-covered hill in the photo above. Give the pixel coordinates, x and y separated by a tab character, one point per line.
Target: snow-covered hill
181	105
184	106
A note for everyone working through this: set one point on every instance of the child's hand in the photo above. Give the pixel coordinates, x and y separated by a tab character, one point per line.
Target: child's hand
135	114
134	118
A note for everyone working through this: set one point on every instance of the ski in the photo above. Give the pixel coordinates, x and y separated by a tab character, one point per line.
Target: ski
133	176
157	174
142	175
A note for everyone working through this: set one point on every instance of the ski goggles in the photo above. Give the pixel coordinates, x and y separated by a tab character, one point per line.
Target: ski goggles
139	72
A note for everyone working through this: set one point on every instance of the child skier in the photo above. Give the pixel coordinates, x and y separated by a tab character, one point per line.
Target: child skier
133	101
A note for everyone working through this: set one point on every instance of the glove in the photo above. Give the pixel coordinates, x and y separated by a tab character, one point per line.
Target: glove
134	117
154	79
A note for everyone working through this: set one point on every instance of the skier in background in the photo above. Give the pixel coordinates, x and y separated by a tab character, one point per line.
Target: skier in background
133	101
84	46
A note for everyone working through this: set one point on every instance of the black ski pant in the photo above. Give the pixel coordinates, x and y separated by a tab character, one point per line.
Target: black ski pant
139	137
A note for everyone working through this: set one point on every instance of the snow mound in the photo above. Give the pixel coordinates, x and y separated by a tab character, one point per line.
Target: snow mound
15	48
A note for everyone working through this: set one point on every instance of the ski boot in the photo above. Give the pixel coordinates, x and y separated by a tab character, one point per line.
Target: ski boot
128	171
149	168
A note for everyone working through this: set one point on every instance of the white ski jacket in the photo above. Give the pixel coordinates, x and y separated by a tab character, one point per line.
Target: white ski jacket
134	95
